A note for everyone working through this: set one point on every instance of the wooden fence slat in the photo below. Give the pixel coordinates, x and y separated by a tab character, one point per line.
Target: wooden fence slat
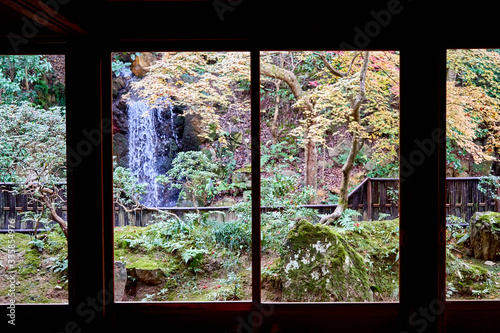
383	197
369	200
355	202
24	205
451	186
3	213
12	208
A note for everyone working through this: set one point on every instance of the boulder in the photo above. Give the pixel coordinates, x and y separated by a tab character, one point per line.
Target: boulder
225	202
342	147
242	175
235	139
120	280
463	171
247	195
370	166
484	228
120	149
118	84
140	65
120	118
150	277
320	266
484	168
289	173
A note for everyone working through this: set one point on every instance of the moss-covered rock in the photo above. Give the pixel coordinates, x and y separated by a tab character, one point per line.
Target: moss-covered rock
378	243
148	276
466	278
318	265
485	235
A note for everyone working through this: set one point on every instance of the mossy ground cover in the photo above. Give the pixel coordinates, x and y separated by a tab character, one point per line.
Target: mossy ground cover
468	277
193	271
212	272
39	271
378	244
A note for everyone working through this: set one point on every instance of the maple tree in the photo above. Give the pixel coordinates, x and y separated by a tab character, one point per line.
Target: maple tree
200	82
471	105
357	91
354	94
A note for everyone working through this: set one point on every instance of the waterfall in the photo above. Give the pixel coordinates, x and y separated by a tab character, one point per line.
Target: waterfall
150	136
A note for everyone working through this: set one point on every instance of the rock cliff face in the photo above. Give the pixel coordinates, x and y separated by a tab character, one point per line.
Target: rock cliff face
319	266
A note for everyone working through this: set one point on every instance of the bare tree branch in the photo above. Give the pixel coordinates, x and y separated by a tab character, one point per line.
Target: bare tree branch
284	75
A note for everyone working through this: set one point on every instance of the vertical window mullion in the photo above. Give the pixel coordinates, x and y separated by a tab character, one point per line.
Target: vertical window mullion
255	147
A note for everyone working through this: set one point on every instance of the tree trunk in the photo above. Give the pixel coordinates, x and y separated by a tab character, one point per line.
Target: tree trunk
356	146
311	164
58	219
276	113
311	155
277	107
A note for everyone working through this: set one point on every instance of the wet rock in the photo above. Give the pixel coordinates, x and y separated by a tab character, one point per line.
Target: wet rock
118	84
120	118
191	135
120	149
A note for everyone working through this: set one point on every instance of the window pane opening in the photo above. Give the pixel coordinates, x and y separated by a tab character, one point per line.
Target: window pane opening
329	235
472	183
181	149
33	169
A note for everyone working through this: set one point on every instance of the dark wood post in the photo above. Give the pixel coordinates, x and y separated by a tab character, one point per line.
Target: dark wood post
369	199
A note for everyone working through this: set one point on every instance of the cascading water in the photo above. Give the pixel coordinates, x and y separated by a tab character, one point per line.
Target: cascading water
151	134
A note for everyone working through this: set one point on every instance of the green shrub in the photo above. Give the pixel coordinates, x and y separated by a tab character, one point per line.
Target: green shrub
233	235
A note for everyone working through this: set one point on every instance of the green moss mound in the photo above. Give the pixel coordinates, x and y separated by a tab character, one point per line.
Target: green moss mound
378	243
318	265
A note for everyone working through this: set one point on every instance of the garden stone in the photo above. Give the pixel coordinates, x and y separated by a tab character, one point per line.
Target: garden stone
289	173
319	266
489	263
483	168
247	195
141	63
120	119
370	166
225	202
150	277
120	280
120	149
342	147
242	175
236	138
118	84
485	235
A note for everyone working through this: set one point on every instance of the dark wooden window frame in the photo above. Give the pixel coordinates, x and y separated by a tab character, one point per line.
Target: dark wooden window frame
422	246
